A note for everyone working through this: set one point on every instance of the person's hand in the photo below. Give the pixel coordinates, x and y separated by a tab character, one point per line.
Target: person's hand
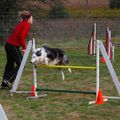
23	51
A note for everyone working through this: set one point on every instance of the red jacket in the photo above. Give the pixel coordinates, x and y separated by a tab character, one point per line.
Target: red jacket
19	34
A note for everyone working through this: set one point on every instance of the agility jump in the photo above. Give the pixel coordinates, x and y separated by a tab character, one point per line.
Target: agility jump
31	45
100	47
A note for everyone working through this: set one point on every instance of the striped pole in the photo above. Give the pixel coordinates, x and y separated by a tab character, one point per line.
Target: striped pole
34	93
92	41
109	46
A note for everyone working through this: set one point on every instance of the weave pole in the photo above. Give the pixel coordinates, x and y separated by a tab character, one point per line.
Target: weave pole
92	42
109	45
34	71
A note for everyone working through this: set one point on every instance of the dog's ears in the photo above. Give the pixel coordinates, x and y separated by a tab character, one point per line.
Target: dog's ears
38	53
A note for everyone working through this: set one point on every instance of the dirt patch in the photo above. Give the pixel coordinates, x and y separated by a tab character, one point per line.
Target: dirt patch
9	112
73	116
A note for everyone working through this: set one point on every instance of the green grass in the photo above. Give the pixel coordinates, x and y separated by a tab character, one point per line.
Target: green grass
77	13
63	106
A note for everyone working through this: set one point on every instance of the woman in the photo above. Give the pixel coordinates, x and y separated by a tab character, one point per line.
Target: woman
12	48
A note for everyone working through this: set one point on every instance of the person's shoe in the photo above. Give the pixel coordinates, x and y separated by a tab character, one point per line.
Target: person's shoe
7	83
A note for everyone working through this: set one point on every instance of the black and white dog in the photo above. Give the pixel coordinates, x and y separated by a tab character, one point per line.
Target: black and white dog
50	56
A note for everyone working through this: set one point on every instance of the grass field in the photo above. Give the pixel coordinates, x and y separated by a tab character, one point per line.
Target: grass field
80	12
95	13
63	106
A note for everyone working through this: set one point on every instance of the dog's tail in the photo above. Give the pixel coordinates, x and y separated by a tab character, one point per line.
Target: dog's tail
65	61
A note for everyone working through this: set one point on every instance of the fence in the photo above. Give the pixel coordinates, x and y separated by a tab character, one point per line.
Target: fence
79	28
62	29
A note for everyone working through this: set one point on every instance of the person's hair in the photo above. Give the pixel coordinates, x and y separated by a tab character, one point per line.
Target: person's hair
25	14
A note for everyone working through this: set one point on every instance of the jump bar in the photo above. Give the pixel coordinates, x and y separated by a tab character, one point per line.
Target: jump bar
72	67
65	91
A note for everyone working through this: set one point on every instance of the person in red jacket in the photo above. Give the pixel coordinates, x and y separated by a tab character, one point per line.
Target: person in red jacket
12	48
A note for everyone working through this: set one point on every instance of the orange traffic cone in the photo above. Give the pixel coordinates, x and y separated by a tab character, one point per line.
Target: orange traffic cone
33	90
103	60
100	99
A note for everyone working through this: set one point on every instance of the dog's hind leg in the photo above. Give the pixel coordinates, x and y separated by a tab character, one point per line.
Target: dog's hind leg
63	75
69	70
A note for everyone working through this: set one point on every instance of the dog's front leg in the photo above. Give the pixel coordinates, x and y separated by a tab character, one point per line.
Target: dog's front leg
63	75
46	61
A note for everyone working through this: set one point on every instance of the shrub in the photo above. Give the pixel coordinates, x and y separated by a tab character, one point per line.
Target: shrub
58	12
114	4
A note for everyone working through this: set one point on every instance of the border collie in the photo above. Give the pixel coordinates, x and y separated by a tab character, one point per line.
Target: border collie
50	56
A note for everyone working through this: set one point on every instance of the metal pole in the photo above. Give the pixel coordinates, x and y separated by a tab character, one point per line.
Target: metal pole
94	38
34	68
97	69
110	67
20	71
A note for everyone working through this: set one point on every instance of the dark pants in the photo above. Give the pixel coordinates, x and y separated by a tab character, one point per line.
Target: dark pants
14	58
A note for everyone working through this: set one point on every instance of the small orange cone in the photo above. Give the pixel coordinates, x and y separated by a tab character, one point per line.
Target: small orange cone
103	60
33	90
100	98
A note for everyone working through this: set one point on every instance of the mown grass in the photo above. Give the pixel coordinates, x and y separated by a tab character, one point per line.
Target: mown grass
63	106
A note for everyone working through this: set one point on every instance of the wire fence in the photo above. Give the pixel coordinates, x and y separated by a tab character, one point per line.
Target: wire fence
62	29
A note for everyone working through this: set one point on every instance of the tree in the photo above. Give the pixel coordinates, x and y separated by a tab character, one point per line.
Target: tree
58	10
114	4
6	6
